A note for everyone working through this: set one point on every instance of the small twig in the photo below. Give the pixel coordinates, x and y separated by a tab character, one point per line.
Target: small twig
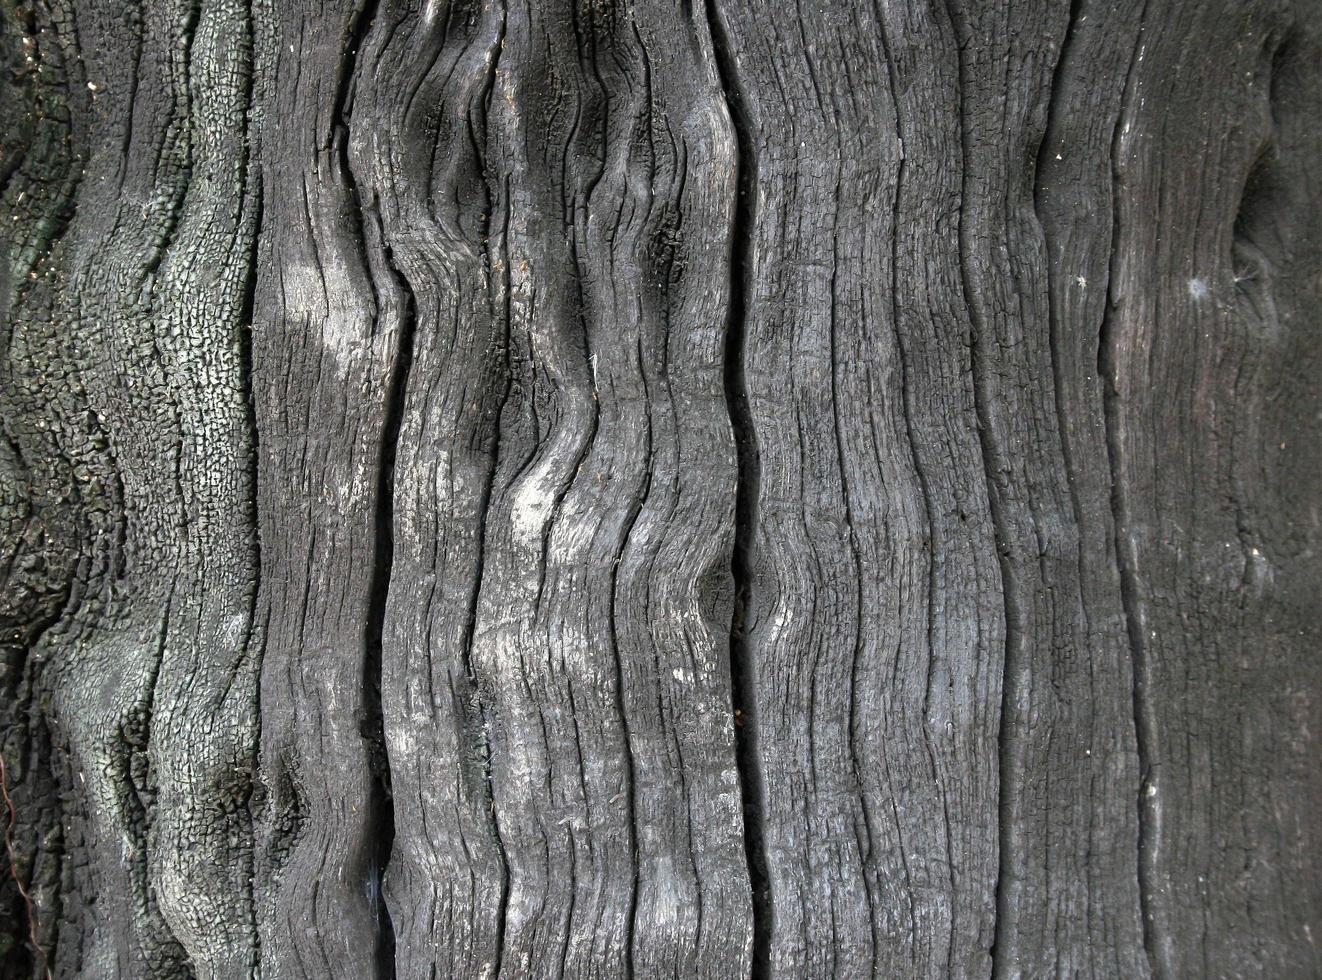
10	824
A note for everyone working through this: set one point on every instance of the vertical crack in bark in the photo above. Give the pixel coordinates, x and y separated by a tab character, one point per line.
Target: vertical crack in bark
383	814
501	309
1016	676
742	675
250	649
1009	767
837	423
498	290
138	781
381	804
902	365
1144	720
253	175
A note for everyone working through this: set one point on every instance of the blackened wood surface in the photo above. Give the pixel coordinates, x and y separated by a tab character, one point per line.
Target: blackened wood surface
656	489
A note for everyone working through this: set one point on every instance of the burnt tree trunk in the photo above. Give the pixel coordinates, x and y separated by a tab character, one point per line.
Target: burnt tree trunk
593	488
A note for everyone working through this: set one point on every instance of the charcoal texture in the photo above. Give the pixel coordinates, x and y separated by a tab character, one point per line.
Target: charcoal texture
637	488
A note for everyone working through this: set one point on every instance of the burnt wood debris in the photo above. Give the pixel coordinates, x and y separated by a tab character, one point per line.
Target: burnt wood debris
661	489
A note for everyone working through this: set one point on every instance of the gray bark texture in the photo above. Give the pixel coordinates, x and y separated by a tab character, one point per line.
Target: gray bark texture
654	489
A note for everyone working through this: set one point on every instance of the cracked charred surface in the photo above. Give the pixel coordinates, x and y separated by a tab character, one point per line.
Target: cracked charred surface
128	428
596	489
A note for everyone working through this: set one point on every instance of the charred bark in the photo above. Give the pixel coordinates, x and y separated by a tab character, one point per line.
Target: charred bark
660	489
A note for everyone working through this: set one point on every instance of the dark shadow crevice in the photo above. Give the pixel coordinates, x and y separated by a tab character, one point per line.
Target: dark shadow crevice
381	805
479	714
742	669
252	641
1145	725
478	705
1017	672
996	476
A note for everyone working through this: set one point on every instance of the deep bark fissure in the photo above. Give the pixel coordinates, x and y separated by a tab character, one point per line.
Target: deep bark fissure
1010	762
837	422
925	479
904	369
470	624
337	138
247	306
1143	720
132	765
1107	366
381	803
994	468
500	300
742	677
382	806
632	798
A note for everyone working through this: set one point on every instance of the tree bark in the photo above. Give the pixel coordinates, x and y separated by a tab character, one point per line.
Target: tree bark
644	489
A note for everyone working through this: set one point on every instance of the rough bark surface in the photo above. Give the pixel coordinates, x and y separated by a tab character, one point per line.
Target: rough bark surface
654	489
